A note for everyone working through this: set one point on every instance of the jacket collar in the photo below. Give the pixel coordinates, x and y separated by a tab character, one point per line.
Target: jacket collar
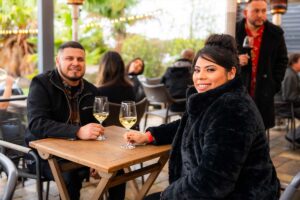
56	80
199	102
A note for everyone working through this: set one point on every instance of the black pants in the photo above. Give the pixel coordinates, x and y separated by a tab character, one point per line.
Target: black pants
154	196
73	179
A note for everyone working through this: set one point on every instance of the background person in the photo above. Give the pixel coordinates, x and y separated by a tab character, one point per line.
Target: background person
134	69
219	148
263	67
290	92
112	80
178	77
113	83
7	91
60	105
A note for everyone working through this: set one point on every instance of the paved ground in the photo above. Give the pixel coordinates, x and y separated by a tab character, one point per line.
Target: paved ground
286	161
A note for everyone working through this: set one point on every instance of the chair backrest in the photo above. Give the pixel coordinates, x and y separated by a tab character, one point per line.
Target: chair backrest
284	109
157	93
12	177
22	172
12	130
153	81
292	190
114	110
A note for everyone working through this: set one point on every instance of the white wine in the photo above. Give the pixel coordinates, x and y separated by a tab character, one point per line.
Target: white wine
127	122
101	116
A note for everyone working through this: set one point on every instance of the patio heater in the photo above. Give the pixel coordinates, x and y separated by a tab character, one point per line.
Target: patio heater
75	15
278	8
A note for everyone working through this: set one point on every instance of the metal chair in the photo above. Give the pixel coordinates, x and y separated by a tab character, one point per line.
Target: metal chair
290	116
114	110
292	190
153	81
23	171
12	177
158	94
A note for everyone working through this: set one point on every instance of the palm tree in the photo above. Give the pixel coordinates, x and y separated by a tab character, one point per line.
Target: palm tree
111	9
15	49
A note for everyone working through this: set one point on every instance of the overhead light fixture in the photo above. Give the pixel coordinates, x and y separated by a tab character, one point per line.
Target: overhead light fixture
75	2
278	6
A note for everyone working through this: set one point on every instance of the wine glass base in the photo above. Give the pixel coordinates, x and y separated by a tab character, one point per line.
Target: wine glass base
128	146
101	138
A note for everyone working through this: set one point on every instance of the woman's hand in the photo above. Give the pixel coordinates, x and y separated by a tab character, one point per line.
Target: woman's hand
136	137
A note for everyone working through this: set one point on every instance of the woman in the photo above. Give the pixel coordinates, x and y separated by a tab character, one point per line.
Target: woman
113	83
219	148
112	80
135	68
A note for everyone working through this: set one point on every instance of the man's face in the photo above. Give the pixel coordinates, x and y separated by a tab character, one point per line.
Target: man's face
71	65
256	13
296	66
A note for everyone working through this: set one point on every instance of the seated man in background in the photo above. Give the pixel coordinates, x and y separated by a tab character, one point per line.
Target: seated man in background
60	105
7	92
290	92
178	77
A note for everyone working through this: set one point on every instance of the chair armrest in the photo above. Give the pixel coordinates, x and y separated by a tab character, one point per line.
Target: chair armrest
14	147
179	100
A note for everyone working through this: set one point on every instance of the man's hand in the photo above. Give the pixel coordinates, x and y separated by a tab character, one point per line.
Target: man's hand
90	131
136	137
244	59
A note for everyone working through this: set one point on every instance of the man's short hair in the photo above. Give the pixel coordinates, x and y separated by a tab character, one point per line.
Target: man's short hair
249	1
71	44
293	58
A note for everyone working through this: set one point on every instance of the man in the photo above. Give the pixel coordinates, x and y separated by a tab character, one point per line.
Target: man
60	105
178	77
290	92
264	65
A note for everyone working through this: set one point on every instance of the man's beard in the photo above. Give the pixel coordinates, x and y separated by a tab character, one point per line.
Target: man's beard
65	76
253	22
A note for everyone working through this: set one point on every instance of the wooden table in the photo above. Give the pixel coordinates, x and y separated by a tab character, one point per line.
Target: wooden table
107	157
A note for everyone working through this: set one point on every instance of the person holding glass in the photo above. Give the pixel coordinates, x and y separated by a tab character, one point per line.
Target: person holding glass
219	147
9	81
263	58
60	105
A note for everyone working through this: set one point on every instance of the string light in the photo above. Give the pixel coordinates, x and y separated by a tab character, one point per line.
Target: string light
121	19
18	31
88	25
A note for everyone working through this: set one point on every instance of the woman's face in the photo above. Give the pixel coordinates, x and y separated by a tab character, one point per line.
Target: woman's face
208	75
135	67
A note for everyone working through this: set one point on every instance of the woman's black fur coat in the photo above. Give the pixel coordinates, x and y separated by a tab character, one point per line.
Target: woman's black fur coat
219	148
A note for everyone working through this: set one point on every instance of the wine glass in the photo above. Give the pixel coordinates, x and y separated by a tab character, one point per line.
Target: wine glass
128	118
248	42
101	111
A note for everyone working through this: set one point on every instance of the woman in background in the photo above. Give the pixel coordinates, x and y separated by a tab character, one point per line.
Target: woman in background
112	80
135	68
219	147
113	83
